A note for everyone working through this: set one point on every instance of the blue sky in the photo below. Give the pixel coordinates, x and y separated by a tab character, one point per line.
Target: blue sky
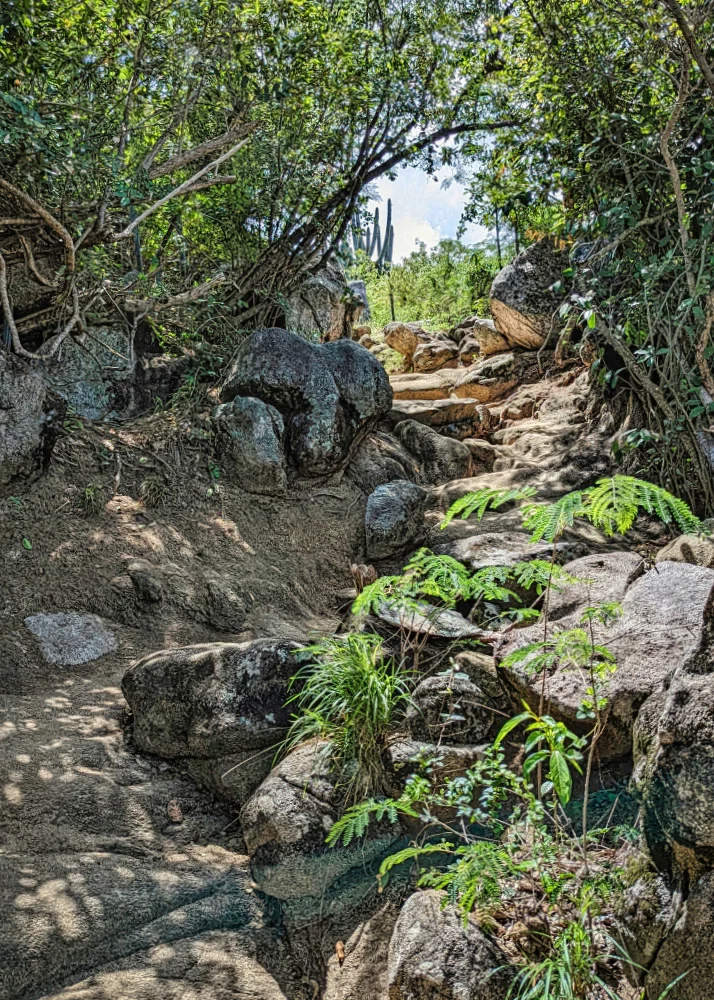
423	210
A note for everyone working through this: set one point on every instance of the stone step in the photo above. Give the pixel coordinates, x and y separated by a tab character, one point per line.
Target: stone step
426	385
453	417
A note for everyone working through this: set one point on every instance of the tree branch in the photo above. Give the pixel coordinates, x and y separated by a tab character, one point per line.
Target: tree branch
204	149
688	35
184	188
53	224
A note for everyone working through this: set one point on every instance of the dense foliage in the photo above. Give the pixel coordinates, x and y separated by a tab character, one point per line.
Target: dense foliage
438	286
106	110
615	150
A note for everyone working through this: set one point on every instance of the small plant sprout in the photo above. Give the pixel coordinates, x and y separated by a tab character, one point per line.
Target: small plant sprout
153	491
350	694
91	499
552	745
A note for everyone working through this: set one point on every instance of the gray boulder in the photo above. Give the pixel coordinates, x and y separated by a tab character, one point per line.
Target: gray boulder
285	823
523	303
362	973
688	947
330	395
380	459
214	708
665	625
695	549
30	420
394	518
645	911
326	305
674	765
440	459
70	638
450	708
432	956
405	338
249	438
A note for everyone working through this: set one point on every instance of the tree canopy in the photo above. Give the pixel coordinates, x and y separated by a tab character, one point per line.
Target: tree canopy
158	156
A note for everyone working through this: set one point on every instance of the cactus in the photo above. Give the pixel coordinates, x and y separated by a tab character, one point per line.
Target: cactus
370	240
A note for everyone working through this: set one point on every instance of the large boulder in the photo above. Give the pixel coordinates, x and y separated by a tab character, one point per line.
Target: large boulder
330	395
450	708
674	765
425	385
524	304
30	420
482	332
433	956
361	972
285	823
665	624
249	439
381	459
326	305
687	949
438	458
455	418
434	355
394	518
405	338
213	708
695	549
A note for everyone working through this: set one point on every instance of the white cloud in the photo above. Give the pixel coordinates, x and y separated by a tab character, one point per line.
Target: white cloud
424	210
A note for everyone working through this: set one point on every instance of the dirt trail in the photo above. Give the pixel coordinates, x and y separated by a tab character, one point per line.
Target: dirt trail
120	879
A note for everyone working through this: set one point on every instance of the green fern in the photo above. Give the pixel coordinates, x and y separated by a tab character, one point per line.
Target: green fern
479	877
354	821
383	590
547	521
480	501
613	504
539	574
410	853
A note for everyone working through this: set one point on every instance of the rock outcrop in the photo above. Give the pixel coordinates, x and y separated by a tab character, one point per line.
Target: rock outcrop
524	304
432	956
30	420
213	708
329	395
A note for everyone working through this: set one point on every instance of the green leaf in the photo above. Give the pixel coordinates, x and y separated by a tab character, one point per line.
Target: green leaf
512	724
559	774
26	543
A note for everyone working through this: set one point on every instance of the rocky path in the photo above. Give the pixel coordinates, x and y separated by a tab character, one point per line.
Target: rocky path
156	856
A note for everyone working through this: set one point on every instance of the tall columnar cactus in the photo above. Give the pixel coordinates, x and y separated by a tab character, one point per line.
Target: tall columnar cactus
370	241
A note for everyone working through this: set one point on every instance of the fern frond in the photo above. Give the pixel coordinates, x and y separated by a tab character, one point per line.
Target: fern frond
613	504
414	851
354	821
547	521
369	600
481	500
539	574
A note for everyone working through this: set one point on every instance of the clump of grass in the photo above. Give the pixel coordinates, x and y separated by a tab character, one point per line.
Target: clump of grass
153	491
91	499
350	694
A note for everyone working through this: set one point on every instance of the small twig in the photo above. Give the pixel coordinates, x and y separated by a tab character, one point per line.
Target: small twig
32	266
